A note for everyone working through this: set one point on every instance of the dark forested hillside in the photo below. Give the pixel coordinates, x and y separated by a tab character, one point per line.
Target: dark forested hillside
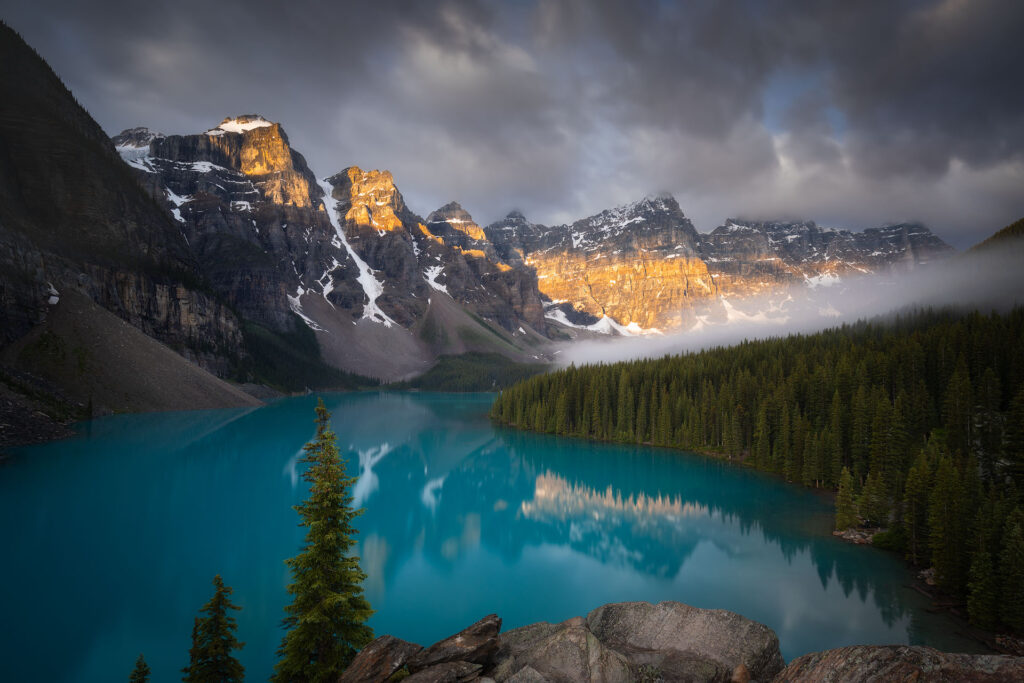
917	420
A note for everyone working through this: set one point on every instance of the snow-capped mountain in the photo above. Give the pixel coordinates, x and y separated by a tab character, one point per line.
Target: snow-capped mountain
343	255
646	267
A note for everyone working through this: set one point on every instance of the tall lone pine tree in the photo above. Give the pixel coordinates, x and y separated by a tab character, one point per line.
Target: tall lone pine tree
326	620
213	639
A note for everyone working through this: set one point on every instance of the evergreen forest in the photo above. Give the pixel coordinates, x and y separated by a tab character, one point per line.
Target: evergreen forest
916	421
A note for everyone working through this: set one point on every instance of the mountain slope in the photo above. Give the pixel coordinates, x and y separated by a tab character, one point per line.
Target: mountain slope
105	365
1012	234
73	218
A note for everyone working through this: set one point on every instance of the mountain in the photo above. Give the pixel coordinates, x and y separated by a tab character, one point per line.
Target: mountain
384	291
77	232
646	267
226	247
1010	236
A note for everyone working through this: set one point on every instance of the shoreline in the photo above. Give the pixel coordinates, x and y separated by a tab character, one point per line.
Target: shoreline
989	639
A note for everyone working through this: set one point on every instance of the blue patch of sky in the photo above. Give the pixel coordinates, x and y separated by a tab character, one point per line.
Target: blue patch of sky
787	86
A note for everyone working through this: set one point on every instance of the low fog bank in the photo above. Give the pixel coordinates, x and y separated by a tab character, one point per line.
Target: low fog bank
990	280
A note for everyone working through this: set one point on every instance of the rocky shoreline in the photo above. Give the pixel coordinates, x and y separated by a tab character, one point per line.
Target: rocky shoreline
670	641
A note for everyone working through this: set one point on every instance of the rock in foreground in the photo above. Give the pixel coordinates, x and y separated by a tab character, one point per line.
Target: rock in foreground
670	641
640	630
900	663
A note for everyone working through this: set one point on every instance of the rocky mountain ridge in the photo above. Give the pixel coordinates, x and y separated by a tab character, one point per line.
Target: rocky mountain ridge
246	262
340	253
645	265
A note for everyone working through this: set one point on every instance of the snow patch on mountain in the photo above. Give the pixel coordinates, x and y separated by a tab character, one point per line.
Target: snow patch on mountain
431	274
295	303
605	325
239	125
372	287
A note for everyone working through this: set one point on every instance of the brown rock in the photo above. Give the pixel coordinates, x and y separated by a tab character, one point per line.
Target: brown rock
447	672
900	663
477	644
741	674
378	660
722	636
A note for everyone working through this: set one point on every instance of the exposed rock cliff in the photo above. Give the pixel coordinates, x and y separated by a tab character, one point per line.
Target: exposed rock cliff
72	217
645	266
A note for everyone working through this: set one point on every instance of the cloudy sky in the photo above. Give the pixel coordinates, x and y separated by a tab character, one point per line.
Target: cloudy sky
848	113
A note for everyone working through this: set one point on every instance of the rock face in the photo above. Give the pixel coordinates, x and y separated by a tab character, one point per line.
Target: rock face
285	249
669	641
72	217
476	644
378	660
619	642
723	637
645	263
637	264
900	663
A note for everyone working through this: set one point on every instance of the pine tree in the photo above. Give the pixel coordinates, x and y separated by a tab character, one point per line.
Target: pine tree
1013	438
915	508
846	510
1011	565
873	502
326	620
983	585
945	520
213	639
956	410
140	674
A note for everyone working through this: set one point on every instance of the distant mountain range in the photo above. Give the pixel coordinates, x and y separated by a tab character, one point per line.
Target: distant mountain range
386	291
225	246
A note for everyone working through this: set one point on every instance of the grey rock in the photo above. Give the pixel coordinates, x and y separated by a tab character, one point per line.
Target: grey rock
477	644
447	672
527	675
378	660
725	637
900	663
562	652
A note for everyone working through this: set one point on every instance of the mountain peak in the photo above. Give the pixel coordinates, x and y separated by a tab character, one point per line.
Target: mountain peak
135	138
457	218
371	197
240	124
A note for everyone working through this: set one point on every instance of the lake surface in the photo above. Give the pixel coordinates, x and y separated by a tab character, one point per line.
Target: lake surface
111	539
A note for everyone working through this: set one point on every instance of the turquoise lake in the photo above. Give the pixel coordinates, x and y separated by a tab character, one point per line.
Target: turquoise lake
112	538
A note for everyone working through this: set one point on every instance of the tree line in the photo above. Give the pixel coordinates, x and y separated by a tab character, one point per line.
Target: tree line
915	420
325	622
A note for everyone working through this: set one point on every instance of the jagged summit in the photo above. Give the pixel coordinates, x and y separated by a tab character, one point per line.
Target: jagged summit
240	124
135	138
456	218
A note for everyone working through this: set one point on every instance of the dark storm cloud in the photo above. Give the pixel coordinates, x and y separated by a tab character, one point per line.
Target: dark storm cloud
844	112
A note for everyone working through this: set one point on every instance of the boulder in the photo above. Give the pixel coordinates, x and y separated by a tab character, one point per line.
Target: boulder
477	644
558	652
900	663
724	637
447	672
378	660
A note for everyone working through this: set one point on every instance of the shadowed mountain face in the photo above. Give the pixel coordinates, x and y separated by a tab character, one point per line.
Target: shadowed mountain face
73	217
